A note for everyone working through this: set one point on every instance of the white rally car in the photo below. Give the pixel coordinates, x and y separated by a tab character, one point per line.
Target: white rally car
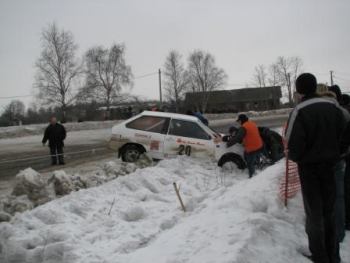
165	135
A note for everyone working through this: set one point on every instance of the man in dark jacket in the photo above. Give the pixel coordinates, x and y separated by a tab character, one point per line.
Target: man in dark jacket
273	144
55	133
313	134
340	174
345	146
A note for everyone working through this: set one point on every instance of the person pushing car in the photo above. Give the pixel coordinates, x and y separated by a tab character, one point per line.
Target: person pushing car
249	135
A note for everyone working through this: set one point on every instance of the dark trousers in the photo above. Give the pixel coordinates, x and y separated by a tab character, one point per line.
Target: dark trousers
347	194
56	153
340	201
318	186
251	159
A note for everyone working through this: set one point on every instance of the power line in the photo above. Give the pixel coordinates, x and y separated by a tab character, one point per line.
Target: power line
19	96
92	151
146	75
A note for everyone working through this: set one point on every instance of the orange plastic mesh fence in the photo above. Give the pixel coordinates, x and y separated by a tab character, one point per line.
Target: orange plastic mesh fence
290	183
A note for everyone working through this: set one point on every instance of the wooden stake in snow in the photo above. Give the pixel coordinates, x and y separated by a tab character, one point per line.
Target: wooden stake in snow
110	209
179	197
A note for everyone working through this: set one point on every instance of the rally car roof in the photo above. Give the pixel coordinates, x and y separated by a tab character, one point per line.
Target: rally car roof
170	115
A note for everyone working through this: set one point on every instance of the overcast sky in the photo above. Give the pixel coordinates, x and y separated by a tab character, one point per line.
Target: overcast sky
240	34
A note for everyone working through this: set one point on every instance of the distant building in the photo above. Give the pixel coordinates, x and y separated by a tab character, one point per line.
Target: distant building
236	100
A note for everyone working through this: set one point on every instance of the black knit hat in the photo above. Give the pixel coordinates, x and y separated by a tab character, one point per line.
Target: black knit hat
306	84
337	91
242	118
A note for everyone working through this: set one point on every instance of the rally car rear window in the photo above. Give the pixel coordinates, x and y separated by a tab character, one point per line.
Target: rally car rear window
187	129
150	124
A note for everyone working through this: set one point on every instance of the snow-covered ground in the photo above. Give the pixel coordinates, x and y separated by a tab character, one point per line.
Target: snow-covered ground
36	129
252	114
137	218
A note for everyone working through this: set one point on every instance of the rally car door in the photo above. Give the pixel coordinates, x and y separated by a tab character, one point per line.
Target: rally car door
150	132
188	138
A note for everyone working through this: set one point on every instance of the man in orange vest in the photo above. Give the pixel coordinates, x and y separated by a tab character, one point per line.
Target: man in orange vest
249	135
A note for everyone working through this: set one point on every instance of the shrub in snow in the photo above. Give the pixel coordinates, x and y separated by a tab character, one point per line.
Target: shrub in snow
95	179
78	182
111	169
4	217
144	161
32	184
134	214
62	183
126	168
13	204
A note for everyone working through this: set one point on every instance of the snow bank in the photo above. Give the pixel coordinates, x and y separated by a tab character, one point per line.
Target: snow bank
32	189
220	116
137	218
36	129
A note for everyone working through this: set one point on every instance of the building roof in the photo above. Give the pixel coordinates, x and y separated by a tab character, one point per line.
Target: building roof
240	95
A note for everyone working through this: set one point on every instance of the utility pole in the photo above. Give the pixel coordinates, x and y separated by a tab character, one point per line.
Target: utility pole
160	88
332	83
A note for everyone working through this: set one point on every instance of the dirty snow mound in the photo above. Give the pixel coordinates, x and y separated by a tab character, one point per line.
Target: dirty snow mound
137	218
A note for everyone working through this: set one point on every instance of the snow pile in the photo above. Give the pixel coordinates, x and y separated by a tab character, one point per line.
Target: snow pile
15	204
31	184
252	114
137	218
33	189
62	183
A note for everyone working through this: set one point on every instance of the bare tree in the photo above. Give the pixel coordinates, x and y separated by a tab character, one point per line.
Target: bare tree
260	76
204	76
13	112
106	74
273	75
288	70
175	78
57	68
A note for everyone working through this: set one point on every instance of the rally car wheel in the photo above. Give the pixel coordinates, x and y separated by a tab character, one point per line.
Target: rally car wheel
131	153
231	161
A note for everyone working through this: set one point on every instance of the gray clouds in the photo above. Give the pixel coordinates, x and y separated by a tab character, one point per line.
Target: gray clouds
240	34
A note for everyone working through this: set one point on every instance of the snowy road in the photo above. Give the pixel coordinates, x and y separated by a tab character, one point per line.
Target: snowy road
80	143
85	145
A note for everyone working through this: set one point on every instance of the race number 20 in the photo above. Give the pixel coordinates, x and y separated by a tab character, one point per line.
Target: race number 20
185	149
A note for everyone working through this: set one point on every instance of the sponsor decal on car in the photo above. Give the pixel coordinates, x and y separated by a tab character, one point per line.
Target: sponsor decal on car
154	145
181	141
142	135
